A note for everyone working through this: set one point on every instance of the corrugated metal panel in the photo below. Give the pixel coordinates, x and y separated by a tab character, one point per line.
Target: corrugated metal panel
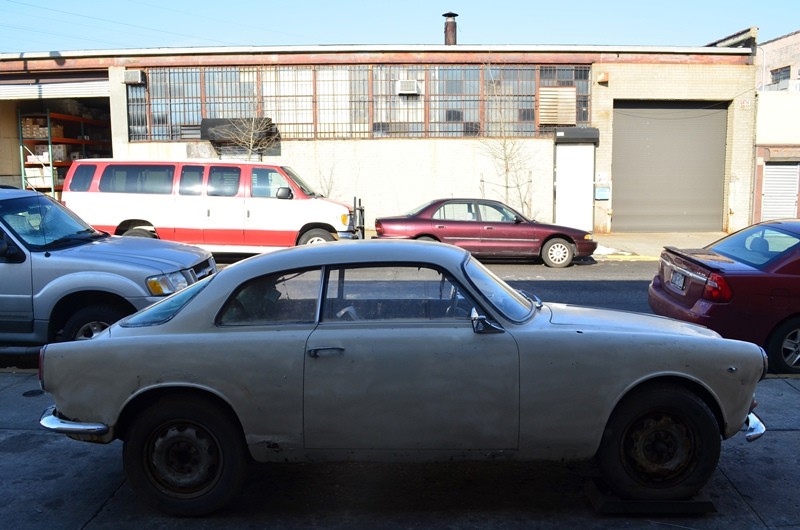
557	106
84	89
779	191
668	166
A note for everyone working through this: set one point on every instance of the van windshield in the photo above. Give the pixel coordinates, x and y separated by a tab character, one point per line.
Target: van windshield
308	190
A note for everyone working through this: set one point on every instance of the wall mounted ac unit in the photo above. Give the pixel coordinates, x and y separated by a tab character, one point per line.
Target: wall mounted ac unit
407	87
134	77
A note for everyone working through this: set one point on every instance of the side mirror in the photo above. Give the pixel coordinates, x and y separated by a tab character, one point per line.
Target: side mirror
284	193
482	325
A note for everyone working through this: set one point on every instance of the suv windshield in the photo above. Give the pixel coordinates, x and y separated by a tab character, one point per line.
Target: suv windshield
42	223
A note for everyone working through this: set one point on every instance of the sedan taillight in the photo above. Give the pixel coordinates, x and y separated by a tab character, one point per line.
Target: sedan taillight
717	289
378	228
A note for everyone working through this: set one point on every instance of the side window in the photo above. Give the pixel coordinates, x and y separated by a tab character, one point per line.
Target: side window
82	178
191	180
495	214
137	179
276	298
266	181
224	181
456	211
393	293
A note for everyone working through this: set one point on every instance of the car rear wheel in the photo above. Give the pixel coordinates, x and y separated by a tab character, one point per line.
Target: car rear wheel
89	321
557	253
314	236
660	444
185	456
783	348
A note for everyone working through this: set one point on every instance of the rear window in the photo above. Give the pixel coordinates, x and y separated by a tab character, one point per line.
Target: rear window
757	245
82	178
156	179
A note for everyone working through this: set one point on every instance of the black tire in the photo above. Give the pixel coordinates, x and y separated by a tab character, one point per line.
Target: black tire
783	348
660	444
87	322
139	232
314	236
557	253
185	456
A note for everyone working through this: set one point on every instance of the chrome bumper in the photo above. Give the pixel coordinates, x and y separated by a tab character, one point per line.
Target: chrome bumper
51	422
753	428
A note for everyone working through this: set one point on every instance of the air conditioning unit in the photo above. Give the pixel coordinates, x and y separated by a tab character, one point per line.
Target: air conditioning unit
407	87
134	77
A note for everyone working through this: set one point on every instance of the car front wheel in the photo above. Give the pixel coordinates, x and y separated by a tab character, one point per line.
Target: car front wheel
660	444
87	322
557	253
315	235
783	348
185	456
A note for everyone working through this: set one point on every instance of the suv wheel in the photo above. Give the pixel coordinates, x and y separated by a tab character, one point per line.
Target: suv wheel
89	321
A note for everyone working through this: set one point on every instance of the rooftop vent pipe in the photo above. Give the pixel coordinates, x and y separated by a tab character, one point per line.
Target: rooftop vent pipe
450	28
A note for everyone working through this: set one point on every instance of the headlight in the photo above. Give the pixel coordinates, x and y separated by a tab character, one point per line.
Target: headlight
165	284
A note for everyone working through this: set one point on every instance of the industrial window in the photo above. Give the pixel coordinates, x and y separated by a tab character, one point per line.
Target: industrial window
362	101
780	74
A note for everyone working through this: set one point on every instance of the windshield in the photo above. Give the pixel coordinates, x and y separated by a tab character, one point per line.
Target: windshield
757	245
418	209
163	310
308	190
43	223
503	297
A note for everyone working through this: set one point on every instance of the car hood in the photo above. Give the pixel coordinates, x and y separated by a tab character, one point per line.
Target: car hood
622	321
708	258
165	256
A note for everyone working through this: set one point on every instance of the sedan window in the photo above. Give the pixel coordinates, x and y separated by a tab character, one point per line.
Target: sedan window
514	305
283	297
456	211
393	292
756	246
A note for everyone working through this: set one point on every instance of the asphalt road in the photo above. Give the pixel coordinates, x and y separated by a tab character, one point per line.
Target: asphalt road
49	481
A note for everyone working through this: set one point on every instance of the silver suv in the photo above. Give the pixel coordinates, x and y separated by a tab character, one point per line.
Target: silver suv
60	279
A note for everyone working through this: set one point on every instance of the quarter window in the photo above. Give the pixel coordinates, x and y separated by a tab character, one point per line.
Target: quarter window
277	298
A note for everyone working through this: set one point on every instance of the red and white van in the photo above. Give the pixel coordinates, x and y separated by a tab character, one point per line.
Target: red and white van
223	206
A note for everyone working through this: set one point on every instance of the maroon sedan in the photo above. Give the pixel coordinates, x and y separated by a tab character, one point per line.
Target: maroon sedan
745	286
488	229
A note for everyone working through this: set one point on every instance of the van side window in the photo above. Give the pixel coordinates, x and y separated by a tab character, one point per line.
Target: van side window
137	179
191	180
266	181
224	181
82	178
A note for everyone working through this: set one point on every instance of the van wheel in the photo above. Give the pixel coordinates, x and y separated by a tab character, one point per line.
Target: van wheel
87	322
139	232
314	236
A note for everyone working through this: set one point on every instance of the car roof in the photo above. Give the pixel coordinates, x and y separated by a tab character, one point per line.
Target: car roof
352	252
13	193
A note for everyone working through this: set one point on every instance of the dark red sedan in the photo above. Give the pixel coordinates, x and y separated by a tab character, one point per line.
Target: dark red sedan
488	229
745	286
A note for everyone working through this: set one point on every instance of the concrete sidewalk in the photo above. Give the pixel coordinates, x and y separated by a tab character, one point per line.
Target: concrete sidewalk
646	246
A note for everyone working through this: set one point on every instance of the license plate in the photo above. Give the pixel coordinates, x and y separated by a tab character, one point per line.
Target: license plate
678	280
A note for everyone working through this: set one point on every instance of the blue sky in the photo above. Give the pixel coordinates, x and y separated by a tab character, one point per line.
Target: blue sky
64	25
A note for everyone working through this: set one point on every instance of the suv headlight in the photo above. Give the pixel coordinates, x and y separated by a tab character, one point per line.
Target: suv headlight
169	283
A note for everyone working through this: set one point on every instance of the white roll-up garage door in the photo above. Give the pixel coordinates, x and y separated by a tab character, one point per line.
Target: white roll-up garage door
779	191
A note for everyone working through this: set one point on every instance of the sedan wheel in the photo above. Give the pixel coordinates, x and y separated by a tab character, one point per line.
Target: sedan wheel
783	348
185	456
660	444
557	253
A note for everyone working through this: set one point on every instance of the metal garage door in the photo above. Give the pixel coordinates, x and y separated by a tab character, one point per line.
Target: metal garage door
668	166
779	191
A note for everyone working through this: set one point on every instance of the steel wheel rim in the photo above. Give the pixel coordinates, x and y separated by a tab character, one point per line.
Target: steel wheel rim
183	459
658	448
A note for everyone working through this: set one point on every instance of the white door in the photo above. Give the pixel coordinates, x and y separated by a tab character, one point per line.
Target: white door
574	200
779	191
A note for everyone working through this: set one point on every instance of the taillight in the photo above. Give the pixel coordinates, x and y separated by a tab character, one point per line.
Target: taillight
717	289
378	228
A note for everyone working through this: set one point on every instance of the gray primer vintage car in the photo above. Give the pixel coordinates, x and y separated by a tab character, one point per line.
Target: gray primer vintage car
392	350
63	280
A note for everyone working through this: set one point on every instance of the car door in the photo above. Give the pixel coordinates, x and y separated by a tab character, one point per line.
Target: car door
270	221
16	299
504	232
455	223
393	367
